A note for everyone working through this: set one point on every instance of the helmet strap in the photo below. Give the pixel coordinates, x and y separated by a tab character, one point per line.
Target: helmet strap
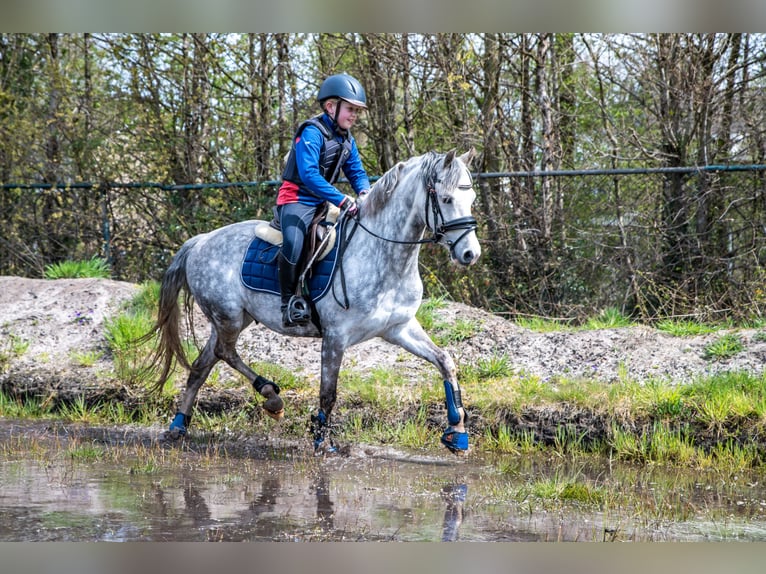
334	117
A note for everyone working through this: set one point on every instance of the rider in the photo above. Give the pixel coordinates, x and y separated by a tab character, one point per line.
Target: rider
322	147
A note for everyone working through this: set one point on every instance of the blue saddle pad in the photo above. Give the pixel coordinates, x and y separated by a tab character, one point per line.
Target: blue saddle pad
259	269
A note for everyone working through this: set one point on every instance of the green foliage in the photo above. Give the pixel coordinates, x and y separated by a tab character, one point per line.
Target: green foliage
85	358
541	324
11	347
684	328
86	452
490	368
609	318
95	267
724	347
16	407
122	333
427	312
561	488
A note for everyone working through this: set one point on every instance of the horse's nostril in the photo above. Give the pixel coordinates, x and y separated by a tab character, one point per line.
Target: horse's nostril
467	256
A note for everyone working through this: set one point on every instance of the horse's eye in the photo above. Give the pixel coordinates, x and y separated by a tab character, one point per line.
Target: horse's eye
446	199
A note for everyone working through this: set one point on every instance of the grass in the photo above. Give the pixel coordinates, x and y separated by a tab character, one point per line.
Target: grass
724	347
543	324
12	347
684	328
95	267
609	318
85	358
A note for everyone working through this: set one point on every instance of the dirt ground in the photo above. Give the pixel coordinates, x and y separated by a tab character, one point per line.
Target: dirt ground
59	319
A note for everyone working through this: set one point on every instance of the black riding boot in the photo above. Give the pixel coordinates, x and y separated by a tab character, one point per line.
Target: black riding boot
294	308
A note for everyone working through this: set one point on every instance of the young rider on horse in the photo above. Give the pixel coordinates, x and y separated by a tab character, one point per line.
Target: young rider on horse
322	147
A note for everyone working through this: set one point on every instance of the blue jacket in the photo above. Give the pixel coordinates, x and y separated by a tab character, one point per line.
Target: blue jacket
306	176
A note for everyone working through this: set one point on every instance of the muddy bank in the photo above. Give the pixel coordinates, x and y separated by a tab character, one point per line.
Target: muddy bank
46	326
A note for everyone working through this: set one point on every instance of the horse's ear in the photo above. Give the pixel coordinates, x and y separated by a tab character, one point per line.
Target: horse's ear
468	156
449	158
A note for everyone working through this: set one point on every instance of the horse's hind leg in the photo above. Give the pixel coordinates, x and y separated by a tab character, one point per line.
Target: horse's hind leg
200	370
217	348
226	349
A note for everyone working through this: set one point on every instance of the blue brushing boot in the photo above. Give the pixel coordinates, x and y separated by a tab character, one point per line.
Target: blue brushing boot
456	442
178	426
322	443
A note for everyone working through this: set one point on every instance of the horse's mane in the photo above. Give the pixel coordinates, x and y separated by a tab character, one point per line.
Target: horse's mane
429	166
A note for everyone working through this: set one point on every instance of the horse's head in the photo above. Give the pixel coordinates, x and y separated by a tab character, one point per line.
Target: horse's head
448	208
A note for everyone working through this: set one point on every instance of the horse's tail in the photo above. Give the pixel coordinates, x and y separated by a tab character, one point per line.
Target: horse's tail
169	346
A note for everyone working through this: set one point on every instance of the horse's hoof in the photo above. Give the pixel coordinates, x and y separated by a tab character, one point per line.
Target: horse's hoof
273	404
172	435
177	428
456	442
276	415
324	447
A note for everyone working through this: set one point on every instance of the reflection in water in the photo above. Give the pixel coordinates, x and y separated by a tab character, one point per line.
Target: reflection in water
454	496
53	496
325	511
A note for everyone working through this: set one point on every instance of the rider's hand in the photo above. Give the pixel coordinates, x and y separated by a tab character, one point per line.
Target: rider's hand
350	205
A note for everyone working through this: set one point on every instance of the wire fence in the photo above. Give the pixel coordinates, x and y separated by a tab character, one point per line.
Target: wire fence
652	241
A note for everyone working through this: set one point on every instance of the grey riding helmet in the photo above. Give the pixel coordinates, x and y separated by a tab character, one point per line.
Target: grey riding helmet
344	87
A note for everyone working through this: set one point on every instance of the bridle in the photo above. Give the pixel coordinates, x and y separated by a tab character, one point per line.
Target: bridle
467	223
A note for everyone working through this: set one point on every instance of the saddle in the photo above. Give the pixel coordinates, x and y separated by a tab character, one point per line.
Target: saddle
259	265
321	225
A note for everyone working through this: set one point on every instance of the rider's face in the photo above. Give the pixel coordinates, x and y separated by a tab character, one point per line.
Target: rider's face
347	113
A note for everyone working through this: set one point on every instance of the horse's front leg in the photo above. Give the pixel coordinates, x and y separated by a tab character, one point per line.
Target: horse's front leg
414	339
332	357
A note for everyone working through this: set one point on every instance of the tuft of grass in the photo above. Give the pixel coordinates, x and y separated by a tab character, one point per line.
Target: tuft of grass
684	328
86	452
78	411
609	318
121	334
542	324
85	358
724	347
414	433
558	488
459	331
426	315
147	299
28	408
95	267
494	367
13	347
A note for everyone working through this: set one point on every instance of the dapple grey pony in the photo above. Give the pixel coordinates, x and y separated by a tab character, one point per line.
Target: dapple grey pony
379	280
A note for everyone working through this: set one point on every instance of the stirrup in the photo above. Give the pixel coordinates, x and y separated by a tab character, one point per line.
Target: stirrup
297	312
456	442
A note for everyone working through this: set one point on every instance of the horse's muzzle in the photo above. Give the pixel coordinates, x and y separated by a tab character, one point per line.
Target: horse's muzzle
466	257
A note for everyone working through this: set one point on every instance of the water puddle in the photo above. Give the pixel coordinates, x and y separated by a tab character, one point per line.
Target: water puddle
59	483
